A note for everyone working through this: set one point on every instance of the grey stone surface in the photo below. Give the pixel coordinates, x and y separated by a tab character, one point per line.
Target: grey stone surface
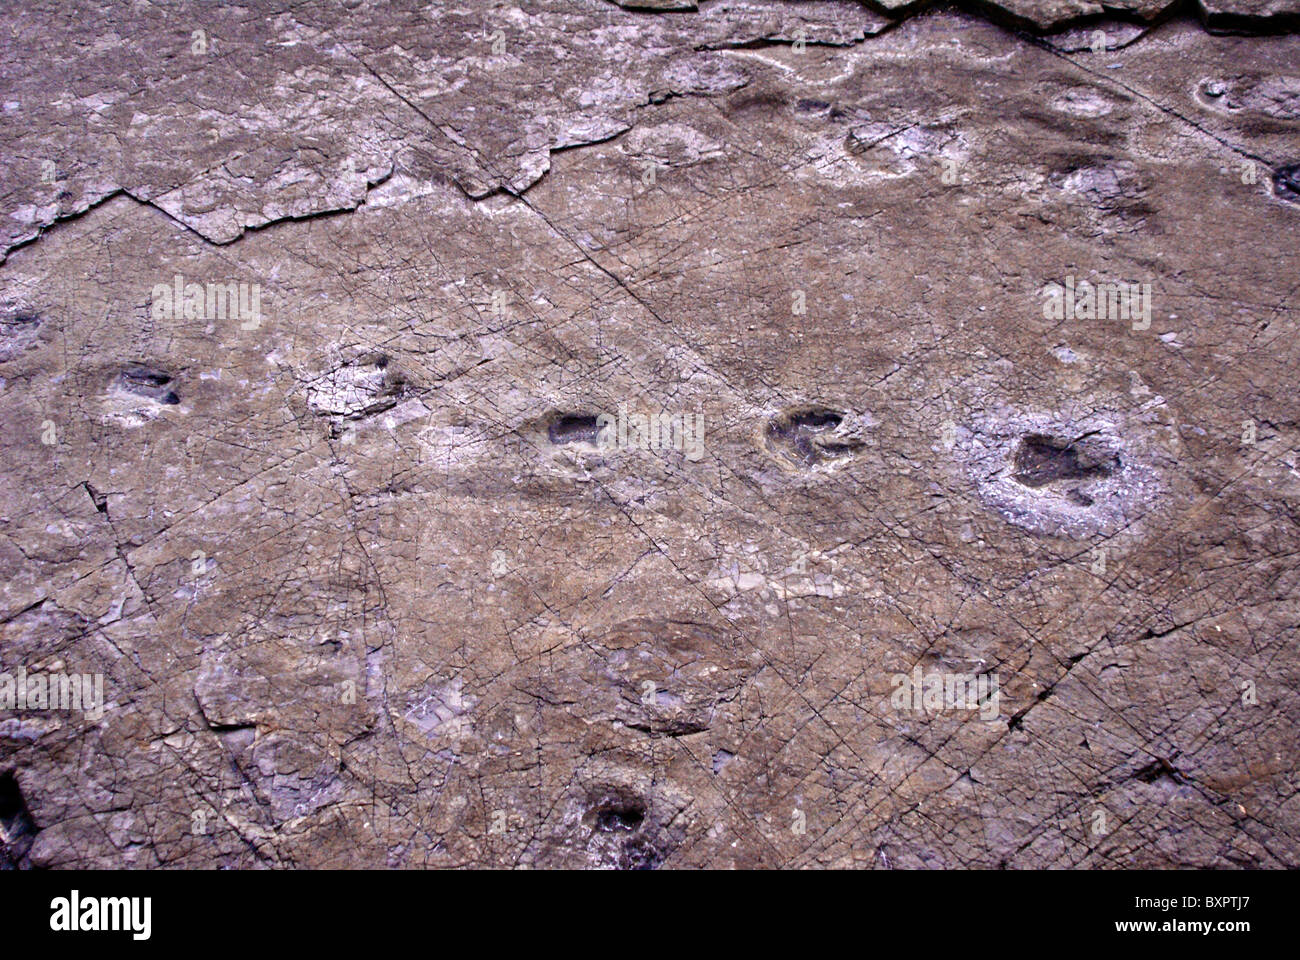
373	570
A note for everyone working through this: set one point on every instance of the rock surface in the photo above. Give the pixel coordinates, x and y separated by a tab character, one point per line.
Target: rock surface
329	346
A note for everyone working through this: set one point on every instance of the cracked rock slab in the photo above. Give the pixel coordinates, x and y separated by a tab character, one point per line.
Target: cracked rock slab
561	435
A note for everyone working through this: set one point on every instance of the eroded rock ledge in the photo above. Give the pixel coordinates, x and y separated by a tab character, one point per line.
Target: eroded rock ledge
229	119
